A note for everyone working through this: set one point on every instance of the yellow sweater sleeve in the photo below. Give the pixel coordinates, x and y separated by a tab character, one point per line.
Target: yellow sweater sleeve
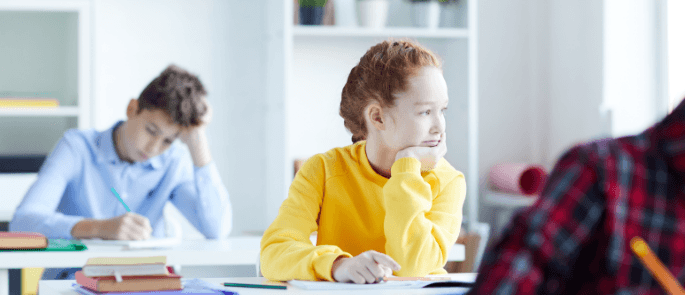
420	230
286	251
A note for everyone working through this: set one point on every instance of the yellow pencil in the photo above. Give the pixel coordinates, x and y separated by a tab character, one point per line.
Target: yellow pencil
654	265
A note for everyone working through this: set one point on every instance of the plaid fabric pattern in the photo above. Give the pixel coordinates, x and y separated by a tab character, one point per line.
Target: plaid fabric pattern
576	238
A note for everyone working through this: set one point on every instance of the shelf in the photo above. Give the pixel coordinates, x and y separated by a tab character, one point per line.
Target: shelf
332	31
40	112
507	200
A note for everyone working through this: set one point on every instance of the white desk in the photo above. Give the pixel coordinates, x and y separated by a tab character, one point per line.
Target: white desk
230	251
63	287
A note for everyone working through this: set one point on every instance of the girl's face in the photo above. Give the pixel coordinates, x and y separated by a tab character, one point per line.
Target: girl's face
418	117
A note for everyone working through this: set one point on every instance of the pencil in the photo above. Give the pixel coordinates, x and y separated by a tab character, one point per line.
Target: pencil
654	265
120	200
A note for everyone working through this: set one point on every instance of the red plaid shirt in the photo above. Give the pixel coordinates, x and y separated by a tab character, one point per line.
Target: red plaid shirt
576	238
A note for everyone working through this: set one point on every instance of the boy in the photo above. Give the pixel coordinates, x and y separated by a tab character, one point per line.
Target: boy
72	197
576	238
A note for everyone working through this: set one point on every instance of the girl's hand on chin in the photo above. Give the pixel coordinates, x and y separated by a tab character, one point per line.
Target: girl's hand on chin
428	156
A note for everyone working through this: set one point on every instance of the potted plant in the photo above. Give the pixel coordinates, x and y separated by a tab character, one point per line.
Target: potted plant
426	13
452	13
373	13
311	11
345	13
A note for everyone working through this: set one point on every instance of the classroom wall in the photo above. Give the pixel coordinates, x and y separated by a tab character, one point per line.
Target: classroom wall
575	69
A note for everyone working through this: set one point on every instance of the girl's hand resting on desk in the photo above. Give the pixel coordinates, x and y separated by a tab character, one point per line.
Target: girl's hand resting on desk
368	267
429	156
129	226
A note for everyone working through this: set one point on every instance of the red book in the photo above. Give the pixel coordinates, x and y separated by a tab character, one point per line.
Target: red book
171	281
22	240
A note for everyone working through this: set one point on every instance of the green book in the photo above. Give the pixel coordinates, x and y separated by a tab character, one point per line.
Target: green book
57	245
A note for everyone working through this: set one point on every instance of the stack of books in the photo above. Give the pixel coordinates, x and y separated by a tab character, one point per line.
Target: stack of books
127	274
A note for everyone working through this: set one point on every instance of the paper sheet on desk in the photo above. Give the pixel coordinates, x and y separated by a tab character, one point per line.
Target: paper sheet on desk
452	281
138	244
321	285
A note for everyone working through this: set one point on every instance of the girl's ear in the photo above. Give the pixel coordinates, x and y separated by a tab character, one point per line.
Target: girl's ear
374	115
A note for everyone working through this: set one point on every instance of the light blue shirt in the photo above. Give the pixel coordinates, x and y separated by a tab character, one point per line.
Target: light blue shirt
75	182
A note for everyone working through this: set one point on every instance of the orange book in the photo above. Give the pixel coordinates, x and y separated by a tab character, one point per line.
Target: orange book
22	240
171	281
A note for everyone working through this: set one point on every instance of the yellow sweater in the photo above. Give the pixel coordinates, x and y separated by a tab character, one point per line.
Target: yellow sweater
413	217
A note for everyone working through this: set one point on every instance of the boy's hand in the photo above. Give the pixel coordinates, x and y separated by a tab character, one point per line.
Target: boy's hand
129	226
368	267
428	156
196	140
189	135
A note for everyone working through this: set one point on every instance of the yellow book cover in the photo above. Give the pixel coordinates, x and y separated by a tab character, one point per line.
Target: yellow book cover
28	103
125	266
126	260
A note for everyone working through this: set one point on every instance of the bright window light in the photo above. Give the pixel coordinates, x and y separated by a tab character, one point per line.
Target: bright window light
676	52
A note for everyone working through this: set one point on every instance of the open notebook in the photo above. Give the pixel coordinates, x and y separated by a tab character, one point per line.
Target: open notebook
140	244
173	238
455	280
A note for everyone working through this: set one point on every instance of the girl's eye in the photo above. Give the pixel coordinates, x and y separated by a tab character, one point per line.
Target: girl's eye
167	142
428	112
150	131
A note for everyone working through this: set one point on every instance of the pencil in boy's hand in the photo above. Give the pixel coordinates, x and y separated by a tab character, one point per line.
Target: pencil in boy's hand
654	265
120	200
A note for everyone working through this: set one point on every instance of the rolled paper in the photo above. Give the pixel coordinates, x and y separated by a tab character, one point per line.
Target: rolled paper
518	178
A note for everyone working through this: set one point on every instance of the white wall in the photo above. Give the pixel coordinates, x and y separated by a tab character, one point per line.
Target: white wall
511	118
630	74
504	84
220	41
575	85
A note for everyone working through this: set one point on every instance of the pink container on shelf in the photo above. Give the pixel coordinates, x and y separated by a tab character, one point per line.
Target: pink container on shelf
518	178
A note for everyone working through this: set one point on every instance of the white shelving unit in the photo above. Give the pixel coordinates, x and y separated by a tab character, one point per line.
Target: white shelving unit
45	52
40	112
332	31
308	67
508	201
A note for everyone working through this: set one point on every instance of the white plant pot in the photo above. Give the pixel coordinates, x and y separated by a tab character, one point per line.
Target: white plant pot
426	14
345	13
453	15
373	13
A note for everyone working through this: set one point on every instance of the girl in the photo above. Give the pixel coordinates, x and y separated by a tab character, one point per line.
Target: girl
388	202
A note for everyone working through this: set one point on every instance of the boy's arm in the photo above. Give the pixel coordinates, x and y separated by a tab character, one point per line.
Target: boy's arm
37	211
286	251
203	199
420	230
540	247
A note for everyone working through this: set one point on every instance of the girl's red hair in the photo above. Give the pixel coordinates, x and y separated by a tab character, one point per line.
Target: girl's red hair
382	72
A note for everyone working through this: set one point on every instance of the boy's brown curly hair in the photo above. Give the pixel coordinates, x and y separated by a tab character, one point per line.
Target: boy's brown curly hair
178	93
